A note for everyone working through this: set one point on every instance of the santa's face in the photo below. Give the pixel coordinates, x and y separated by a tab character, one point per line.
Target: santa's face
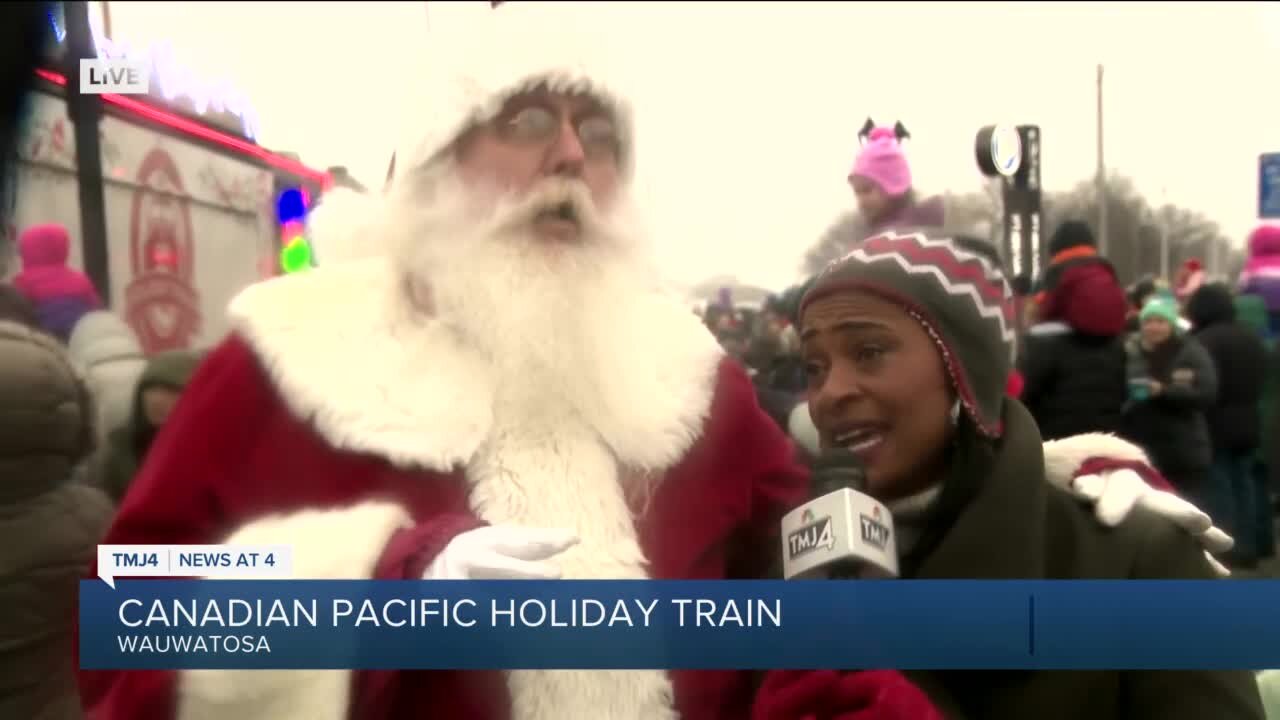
538	136
545	312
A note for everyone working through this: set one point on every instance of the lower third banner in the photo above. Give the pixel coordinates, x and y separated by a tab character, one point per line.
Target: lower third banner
314	624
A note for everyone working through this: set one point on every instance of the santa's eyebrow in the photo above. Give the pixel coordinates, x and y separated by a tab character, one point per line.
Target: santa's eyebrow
580	104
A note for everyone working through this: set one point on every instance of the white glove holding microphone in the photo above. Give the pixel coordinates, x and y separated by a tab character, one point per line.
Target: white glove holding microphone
502	552
1117	492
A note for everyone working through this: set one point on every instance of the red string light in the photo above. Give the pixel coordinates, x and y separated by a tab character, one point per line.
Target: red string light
181	124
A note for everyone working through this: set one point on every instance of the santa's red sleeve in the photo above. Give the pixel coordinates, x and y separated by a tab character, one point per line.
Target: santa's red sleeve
750	446
835	695
214	475
175	499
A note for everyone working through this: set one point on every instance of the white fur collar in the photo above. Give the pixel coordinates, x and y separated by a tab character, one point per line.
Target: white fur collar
1063	458
1049	329
345	354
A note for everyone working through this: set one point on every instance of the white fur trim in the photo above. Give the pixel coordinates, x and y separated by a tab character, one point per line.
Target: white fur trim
328	545
466	77
340	228
545	467
800	427
339	349
1062	458
1049	329
340	346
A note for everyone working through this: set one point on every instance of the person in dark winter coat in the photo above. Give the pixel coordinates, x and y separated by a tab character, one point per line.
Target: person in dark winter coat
1172	384
15	307
1073	360
155	396
49	523
907	370
1235	423
61	295
1251	312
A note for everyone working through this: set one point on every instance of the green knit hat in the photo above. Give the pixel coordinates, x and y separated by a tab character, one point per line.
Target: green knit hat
1161	307
957	293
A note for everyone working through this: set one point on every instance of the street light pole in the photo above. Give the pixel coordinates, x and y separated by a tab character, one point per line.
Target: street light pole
1102	176
1164	235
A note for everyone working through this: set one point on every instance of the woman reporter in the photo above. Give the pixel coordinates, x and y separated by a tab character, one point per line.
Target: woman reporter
908	342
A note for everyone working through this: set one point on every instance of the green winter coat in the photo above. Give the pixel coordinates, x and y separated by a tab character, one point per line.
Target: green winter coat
1251	312
118	462
1019	526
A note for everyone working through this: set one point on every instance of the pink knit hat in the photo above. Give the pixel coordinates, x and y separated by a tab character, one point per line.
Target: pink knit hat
883	162
1264	248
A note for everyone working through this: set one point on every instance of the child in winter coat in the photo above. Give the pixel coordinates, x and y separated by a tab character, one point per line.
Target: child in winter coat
882	186
881	182
61	296
1261	274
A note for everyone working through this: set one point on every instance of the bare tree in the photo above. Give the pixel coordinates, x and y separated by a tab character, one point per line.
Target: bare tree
838	239
977	212
1135	229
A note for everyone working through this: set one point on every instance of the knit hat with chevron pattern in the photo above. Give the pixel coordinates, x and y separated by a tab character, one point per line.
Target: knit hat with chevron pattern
956	292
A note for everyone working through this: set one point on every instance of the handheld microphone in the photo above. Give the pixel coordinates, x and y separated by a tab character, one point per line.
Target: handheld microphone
842	533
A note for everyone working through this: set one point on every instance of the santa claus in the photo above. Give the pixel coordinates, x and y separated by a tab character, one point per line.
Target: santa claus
492	385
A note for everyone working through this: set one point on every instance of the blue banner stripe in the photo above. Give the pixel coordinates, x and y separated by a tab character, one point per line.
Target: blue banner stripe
309	624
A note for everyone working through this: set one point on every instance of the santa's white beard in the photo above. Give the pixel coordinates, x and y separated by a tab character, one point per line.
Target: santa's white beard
562	323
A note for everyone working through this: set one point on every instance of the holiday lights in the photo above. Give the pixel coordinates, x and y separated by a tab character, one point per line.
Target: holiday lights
295	250
174	80
190	127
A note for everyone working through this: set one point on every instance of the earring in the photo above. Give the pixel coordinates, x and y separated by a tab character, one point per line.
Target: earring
955	413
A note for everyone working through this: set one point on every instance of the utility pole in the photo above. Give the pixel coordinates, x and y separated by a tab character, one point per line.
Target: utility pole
85	112
1103	244
1163	222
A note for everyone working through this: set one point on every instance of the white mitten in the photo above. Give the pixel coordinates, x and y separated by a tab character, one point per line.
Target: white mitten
502	552
1115	493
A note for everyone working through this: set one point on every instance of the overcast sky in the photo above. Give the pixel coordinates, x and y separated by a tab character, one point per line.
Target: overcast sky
748	112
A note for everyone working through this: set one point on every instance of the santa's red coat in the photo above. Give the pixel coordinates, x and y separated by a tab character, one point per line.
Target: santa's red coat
234	452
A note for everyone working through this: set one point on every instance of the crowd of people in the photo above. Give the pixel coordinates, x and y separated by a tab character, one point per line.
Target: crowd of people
79	408
1186	369
492	386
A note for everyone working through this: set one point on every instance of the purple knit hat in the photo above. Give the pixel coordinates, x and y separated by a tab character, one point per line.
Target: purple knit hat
883	162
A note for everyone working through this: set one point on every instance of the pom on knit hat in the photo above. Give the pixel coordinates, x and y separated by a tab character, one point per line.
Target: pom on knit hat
1190	278
952	288
464	78
883	162
1071	234
344	227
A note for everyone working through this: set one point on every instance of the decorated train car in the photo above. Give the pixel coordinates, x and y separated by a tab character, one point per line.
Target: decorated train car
195	208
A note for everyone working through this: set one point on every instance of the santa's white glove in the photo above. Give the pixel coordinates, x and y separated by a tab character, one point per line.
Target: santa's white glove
1115	493
502	552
